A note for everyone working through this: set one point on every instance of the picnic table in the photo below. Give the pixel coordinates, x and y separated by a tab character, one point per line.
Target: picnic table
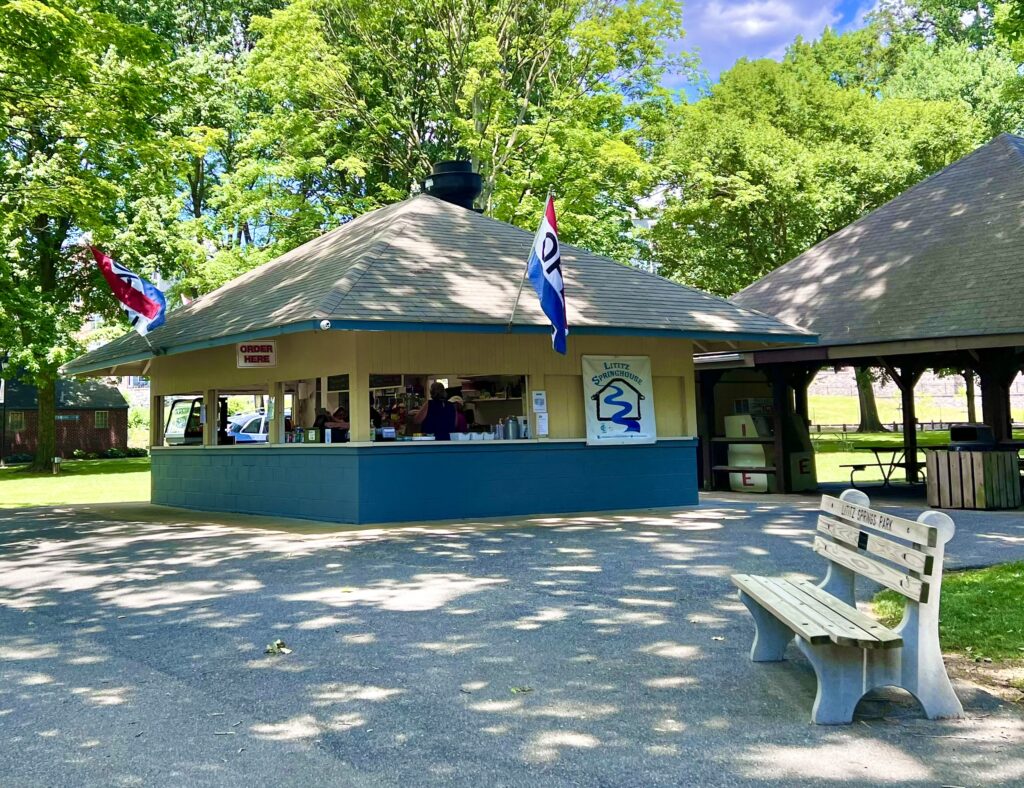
888	458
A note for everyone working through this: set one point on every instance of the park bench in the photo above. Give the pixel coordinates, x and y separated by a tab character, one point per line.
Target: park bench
851	652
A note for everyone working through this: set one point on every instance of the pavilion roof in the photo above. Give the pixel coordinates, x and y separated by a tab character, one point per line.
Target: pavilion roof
425	264
944	259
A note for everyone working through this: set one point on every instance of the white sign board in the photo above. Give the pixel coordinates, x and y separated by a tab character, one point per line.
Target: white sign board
540	402
542	425
259	353
618	398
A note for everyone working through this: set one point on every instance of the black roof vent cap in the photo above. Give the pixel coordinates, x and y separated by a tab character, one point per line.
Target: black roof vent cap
454	182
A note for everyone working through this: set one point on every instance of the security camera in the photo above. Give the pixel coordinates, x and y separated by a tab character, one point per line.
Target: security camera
325	325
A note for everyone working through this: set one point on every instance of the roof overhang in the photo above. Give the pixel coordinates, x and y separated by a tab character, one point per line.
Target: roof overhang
704	341
845	355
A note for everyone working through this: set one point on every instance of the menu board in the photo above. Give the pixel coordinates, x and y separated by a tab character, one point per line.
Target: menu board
618	398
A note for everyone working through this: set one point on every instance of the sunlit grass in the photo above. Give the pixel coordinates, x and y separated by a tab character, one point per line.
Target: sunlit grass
981	615
80	481
833	450
844	409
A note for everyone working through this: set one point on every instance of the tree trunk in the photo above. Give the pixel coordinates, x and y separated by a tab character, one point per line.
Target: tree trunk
46	446
869	421
972	410
50	233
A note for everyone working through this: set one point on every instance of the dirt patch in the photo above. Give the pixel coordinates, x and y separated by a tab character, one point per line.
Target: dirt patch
1005	679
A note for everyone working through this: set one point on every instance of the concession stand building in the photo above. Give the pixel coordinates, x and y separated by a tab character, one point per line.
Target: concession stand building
345	336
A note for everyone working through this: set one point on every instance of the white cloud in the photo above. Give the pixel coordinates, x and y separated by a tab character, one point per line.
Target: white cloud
724	30
764	20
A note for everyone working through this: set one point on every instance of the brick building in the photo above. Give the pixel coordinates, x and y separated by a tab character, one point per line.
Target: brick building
91	416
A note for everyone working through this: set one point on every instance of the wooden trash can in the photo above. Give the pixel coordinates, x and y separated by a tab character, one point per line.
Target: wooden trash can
973	479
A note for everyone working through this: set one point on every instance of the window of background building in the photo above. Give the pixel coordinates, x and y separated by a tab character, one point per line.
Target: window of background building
102	419
16	420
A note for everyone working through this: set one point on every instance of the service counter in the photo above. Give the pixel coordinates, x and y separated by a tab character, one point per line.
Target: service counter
397	481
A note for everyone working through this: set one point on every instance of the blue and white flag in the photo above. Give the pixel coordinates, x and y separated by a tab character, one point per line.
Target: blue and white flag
545	272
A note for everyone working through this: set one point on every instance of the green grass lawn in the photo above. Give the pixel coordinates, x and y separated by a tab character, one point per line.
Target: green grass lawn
982	613
80	481
832	450
842	409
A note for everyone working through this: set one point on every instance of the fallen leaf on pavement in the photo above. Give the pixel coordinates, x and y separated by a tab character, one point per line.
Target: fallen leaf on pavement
277	647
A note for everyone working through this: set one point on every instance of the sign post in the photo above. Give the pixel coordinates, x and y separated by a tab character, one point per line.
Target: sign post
618	398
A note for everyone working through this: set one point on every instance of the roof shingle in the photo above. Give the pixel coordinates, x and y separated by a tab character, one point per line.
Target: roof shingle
426	261
943	259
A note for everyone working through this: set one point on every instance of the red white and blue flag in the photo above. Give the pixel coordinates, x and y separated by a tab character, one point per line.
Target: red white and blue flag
140	299
545	272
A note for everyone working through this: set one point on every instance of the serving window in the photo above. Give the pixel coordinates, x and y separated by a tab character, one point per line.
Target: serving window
488	403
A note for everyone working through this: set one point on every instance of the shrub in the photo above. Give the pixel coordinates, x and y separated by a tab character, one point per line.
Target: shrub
113	454
18	458
138	418
135	452
78	454
91	455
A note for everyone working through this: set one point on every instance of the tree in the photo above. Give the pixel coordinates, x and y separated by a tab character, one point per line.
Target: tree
869	420
78	94
362	97
958	71
781	155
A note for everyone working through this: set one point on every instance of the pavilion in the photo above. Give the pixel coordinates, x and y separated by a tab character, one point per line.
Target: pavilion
419	292
934	278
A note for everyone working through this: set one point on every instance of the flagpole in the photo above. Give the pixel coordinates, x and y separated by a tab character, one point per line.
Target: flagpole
522	281
515	305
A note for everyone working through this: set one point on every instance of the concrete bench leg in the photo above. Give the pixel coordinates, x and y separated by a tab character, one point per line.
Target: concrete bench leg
923	672
771	636
840	672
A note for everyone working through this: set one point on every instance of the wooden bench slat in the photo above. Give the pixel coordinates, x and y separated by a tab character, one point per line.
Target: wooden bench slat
886	637
841	630
904	555
812	617
911	530
905	584
789	614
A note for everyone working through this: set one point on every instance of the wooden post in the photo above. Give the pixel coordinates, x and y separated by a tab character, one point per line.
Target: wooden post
706	425
906	379
358	397
800	378
156	420
212	417
276	432
782	405
997	370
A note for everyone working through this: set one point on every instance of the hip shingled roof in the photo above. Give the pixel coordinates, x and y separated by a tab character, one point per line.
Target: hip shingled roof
943	259
430	263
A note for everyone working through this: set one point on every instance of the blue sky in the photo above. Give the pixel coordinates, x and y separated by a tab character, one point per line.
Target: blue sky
723	30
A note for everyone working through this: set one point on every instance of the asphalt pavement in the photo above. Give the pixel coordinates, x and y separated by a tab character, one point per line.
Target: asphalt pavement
603	650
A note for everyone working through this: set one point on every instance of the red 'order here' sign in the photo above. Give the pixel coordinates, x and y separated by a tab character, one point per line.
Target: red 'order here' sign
262	353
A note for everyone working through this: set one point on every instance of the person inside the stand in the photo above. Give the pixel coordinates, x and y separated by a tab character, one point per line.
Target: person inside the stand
375	419
336	422
437	416
461	422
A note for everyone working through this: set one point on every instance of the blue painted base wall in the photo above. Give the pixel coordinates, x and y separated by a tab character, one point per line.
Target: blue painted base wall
379	484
